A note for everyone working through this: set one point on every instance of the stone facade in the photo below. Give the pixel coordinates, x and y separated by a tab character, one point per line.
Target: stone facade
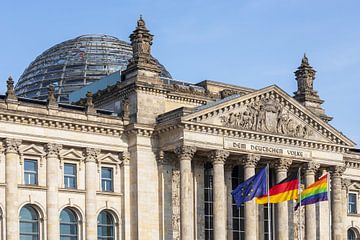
175	152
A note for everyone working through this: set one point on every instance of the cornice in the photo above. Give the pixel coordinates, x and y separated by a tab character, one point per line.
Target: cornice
61	123
140	130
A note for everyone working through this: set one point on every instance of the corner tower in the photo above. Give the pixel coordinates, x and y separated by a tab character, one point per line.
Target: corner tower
306	95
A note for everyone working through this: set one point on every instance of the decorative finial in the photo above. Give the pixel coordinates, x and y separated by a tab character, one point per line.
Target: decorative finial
141	22
10	94
305	61
51	95
89	103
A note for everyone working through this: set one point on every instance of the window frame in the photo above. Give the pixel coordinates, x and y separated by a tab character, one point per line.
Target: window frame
28	173
76	223
68	176
113	225
352	204
37	221
107	180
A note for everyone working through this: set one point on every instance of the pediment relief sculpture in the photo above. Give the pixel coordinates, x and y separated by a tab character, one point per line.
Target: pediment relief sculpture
266	115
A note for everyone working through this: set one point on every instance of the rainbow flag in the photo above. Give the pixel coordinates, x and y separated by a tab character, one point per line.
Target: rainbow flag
286	190
316	192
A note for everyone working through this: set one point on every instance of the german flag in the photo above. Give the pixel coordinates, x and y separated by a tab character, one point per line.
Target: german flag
286	190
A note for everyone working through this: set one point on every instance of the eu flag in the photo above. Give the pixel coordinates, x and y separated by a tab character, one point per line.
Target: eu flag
253	187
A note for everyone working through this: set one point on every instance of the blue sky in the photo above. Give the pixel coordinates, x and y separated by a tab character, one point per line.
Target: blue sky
252	43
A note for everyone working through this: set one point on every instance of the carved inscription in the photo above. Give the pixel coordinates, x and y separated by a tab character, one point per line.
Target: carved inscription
265	149
266	115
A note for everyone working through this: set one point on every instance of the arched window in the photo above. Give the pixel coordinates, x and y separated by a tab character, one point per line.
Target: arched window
351	235
29	224
106	226
69	225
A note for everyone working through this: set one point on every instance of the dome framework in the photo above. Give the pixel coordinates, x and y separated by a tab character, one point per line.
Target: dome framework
73	64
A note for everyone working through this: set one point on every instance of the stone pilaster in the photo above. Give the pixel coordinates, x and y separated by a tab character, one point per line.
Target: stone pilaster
53	151
125	160
218	158
281	209
338	230
11	190
310	210
249	162
185	155
91	155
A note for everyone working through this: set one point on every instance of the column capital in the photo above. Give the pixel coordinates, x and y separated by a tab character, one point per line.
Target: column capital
282	164
91	154
250	160
337	171
125	158
53	149
311	167
185	152
12	145
218	156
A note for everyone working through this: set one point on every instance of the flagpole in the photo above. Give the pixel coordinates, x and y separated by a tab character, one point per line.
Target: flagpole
268	202
329	203
299	194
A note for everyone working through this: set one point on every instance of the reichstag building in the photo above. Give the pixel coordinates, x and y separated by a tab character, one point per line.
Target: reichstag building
98	141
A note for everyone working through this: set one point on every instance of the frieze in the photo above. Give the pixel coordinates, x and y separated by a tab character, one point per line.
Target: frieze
266	115
265	149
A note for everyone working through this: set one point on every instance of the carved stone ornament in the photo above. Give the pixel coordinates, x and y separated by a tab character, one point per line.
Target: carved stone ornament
283	164
250	160
337	171
10	93
218	156
125	158
345	183
266	115
312	167
12	145
185	152
51	95
91	154
53	149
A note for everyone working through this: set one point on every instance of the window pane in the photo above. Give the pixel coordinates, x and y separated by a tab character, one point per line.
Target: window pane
106	179
29	224
69	169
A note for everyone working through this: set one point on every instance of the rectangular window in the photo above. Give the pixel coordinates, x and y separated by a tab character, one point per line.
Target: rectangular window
352	208
30	172
208	201
70	175
107	179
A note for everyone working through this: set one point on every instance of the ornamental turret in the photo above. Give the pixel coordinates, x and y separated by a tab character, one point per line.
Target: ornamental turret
141	41
306	95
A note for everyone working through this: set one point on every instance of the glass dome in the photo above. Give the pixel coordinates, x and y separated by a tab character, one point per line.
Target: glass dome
73	64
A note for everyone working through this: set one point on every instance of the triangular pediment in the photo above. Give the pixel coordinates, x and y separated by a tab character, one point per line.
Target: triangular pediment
72	154
32	150
271	111
109	158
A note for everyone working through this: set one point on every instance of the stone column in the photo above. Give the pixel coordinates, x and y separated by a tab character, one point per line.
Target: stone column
249	163
281	209
52	171
11	190
218	158
90	196
185	155
338	231
310	210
